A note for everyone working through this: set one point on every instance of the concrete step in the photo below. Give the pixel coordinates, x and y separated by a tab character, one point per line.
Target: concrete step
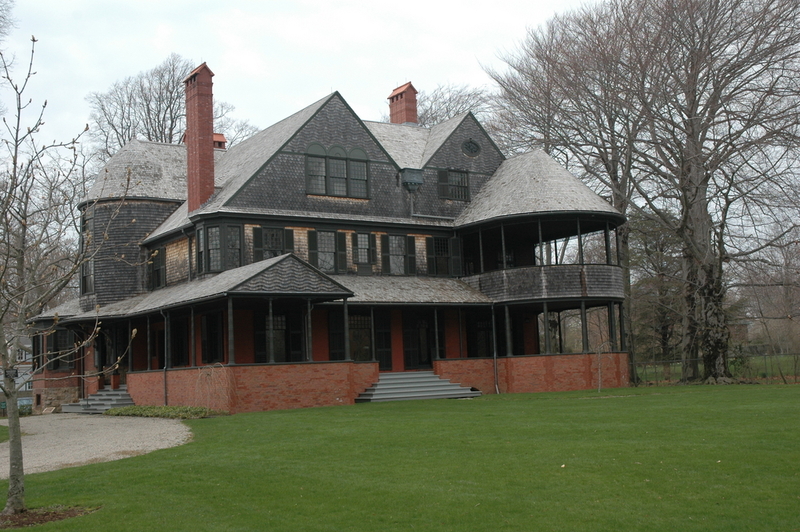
414	385
99	402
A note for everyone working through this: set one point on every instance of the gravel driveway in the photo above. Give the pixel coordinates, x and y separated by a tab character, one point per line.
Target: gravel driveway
55	441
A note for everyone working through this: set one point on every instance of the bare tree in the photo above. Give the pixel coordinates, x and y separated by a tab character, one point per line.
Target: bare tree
40	185
151	106
447	101
694	104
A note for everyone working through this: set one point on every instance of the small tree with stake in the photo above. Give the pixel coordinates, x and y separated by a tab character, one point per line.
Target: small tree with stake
40	184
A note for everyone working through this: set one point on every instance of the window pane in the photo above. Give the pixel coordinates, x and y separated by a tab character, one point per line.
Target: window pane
273	242
326	251
337	182
316	175
358	179
234	247
362	249
397	255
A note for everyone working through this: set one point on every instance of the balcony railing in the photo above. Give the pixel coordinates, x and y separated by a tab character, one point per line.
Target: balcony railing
548	283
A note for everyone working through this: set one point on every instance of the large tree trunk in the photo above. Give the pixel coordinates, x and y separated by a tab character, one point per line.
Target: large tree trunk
16	478
715	332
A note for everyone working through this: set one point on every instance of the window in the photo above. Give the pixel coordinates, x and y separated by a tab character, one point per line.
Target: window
87	268
219	248
158	268
398	255
364	248
233	257
334	172
270	242
201	248
211	325
60	354
327	250
454	185
87	276
286	341
214	249
444	256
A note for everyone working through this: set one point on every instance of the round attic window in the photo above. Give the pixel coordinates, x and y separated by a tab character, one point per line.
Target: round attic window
471	148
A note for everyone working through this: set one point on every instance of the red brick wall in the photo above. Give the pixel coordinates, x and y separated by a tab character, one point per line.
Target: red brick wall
528	374
255	388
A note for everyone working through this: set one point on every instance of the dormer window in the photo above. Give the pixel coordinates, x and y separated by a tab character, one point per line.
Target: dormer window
335	172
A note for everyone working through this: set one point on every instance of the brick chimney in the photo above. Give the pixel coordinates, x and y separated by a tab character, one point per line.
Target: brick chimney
199	136
403	105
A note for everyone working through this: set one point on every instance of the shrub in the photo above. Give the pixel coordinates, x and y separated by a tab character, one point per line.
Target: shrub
170	412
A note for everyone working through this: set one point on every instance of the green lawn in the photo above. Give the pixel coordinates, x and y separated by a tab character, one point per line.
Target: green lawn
674	459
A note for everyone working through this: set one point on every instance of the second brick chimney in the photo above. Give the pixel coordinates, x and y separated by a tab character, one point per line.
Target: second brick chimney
403	105
199	136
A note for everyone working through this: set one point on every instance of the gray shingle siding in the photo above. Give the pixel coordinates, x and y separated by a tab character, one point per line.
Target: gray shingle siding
119	265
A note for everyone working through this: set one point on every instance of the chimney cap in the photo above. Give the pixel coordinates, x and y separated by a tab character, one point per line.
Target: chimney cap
197	70
402	89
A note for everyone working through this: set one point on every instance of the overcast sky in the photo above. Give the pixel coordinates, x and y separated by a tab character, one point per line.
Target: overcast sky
270	58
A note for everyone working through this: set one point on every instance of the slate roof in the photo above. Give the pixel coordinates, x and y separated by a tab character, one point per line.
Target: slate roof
387	289
413	146
532	183
156	170
280	276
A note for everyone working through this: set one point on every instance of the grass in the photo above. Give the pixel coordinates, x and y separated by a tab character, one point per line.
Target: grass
689	458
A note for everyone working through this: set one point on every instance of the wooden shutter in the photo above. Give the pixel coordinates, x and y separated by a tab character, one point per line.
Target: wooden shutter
288	240
373	249
444	184
341	252
312	249
258	244
385	267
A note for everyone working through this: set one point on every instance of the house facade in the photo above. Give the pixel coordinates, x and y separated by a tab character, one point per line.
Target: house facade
296	267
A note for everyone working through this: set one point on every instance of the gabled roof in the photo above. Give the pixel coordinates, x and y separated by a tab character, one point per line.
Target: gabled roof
532	183
412	146
277	277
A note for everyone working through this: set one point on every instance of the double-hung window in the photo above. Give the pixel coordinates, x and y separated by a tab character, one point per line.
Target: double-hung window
219	247
270	242
327	250
398	255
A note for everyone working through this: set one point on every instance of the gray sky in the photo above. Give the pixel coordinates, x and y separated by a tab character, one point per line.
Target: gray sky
270	58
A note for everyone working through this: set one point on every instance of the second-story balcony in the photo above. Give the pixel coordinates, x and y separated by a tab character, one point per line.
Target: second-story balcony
548	283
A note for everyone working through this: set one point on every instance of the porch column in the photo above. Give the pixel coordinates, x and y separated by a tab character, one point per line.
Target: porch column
612	327
608	245
271	332
372	333
547	344
231	353
541	243
149	354
580	242
346	332
509	337
584	328
167	341
309	337
623	345
436	332
192	346
130	350
494	334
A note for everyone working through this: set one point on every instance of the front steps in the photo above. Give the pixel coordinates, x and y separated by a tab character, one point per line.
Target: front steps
414	385
99	402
